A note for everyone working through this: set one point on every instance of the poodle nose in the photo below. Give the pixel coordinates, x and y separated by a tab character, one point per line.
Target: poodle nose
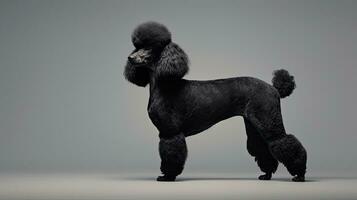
131	59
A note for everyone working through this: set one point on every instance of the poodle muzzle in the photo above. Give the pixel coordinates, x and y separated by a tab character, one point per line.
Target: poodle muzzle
140	57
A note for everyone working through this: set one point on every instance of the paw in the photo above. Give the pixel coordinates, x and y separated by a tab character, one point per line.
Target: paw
299	179
166	178
265	177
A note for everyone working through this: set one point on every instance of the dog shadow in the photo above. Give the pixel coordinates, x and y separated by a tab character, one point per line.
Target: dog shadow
188	179
237	179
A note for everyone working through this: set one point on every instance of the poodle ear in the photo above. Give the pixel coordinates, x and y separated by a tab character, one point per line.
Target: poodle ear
140	76
173	63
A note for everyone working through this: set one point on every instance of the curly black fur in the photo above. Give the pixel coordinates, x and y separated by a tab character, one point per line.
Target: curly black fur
180	108
173	63
173	153
258	148
291	153
151	34
138	76
283	82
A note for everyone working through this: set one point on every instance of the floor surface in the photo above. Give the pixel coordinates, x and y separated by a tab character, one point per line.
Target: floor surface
143	186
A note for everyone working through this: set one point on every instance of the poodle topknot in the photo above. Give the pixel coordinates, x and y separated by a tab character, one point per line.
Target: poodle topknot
180	108
151	34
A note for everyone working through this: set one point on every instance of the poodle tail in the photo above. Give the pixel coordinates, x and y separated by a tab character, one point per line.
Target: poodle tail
283	82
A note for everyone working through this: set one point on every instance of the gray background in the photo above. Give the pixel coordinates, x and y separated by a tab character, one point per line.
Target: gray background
65	106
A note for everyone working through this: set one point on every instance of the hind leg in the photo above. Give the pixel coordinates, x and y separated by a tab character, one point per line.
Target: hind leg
258	148
173	153
286	148
292	154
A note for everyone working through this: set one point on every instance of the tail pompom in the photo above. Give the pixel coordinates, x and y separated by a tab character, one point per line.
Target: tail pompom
283	82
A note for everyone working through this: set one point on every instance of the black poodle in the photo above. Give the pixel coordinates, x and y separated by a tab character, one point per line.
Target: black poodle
180	108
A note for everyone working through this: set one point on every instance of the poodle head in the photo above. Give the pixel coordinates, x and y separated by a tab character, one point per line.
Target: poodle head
155	56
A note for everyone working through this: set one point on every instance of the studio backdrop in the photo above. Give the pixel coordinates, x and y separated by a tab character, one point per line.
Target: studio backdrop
66	106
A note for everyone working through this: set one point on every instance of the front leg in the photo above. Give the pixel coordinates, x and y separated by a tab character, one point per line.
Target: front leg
173	153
